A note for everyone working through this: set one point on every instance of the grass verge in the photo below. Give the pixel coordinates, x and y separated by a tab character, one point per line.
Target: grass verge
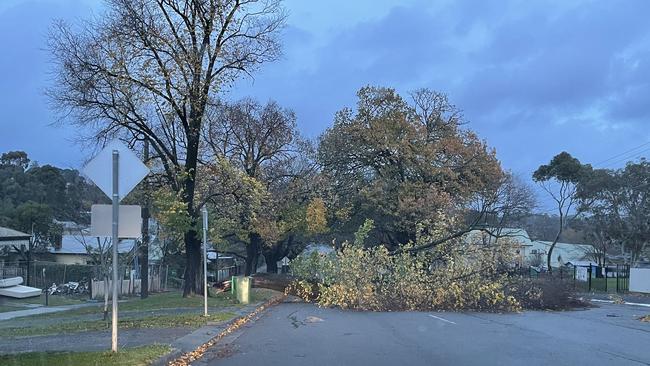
166	300
160	321
9	304
131	356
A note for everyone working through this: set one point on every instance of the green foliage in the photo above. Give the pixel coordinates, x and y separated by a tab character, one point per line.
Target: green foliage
361	235
170	211
564	168
36	195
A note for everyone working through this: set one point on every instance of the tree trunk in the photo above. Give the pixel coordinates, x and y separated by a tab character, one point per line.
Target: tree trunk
271	258
550	250
106	290
192	243
193	262
252	253
277	282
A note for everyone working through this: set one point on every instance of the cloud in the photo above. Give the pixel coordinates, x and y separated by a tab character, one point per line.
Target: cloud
534	78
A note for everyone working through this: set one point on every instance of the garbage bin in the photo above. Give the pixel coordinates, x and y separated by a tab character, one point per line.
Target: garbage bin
242	287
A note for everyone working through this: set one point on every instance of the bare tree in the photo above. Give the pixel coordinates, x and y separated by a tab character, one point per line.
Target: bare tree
100	251
147	69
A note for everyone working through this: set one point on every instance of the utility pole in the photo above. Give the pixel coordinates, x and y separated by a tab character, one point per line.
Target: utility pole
144	247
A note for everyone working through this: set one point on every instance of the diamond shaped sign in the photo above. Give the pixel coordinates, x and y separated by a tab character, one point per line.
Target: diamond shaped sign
130	169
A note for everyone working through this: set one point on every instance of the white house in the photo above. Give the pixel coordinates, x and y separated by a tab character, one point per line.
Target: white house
73	249
563	253
532	252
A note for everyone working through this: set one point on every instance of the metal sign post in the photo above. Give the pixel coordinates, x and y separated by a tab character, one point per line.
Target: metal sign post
127	172
115	242
205	261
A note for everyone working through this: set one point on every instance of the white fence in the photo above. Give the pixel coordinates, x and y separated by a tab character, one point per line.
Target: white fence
640	280
126	287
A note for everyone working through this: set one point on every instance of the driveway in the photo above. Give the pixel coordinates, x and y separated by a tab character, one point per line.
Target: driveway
303	334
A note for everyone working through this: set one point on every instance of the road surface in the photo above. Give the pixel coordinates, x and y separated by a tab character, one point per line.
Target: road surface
303	334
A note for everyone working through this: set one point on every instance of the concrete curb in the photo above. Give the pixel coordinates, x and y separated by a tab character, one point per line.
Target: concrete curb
196	343
622	303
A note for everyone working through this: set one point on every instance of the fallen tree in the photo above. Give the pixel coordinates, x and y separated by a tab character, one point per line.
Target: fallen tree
272	281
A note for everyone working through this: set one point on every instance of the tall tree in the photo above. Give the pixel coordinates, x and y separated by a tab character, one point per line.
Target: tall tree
263	142
561	179
149	69
403	165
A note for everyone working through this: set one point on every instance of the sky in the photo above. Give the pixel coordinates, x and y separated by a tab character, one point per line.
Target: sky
533	78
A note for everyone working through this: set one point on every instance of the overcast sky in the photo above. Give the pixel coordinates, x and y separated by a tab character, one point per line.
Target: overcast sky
533	77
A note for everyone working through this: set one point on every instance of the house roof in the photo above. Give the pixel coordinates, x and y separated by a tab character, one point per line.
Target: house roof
582	263
9	237
77	244
516	234
567	246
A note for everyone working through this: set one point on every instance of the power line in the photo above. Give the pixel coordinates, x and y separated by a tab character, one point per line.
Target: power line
628	158
623	153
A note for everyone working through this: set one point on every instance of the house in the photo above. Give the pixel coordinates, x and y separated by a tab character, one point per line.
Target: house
563	253
69	227
74	249
517	238
11	239
532	252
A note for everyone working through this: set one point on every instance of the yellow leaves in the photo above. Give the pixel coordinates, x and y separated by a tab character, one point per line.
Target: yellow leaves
316	216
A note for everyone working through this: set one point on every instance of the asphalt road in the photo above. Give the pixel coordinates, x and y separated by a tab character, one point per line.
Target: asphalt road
302	334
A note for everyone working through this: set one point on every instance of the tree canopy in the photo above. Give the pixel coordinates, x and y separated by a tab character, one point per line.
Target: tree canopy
403	165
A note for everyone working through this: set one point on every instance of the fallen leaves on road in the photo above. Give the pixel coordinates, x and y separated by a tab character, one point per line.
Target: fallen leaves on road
187	358
645	318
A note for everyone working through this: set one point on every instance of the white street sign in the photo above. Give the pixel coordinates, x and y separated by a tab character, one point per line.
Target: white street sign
131	169
116	170
130	221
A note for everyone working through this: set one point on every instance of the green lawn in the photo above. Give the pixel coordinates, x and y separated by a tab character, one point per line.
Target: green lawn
140	315
126	357
54	300
159	321
598	284
10	304
5	308
167	300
